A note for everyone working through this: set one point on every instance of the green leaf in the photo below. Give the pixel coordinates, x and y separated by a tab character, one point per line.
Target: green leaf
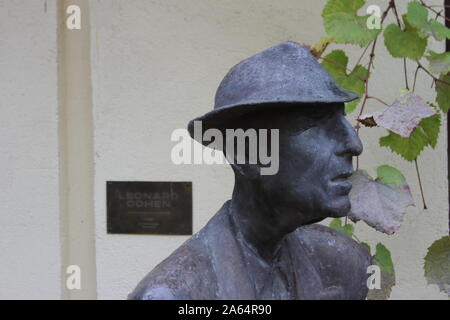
417	16
365	245
344	25
382	258
410	148
355	80
443	93
437	264
336	64
349	6
347	229
391	176
430	127
404	44
439	62
351	106
438	30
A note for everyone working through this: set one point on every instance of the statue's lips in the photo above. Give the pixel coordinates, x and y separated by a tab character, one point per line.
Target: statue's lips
341	182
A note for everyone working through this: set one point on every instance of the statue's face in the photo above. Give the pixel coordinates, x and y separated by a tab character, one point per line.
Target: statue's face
316	146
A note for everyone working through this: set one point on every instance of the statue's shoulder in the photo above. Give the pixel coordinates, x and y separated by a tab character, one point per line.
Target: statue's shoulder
328	239
190	266
187	267
340	260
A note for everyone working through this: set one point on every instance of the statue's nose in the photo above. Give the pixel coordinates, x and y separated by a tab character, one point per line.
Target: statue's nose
351	144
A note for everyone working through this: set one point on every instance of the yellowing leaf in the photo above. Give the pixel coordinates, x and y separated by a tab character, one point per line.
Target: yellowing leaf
402	116
318	48
380	203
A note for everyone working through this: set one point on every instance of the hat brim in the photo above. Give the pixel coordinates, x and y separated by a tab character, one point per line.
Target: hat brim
221	117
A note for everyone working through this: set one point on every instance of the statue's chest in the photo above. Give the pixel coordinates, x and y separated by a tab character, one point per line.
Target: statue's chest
293	276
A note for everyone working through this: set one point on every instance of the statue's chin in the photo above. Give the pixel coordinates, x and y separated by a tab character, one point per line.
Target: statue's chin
339	208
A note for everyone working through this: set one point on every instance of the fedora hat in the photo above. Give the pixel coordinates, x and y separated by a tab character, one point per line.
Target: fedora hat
277	77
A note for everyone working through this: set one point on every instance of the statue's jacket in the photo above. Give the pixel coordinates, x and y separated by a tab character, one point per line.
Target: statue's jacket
313	262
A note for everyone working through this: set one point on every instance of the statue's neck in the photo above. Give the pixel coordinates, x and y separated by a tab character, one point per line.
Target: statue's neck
257	219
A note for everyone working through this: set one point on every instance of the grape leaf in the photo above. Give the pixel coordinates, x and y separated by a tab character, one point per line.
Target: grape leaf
417	16
410	148
437	264
365	245
382	258
354	81
380	203
439	62
344	25
431	127
336	64
438	30
347	229
443	92
349	6
402	116
392	177
404	43
318	48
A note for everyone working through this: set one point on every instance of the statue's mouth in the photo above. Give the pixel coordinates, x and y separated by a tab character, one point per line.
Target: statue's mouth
341	184
342	177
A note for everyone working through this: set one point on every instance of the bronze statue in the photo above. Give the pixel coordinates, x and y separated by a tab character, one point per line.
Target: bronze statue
263	243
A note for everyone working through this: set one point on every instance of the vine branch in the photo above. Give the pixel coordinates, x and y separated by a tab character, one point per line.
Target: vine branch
438	13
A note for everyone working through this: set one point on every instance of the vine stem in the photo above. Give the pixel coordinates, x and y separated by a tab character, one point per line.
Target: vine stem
420	66
378	99
438	13
420	185
369	68
394	7
362	54
415	78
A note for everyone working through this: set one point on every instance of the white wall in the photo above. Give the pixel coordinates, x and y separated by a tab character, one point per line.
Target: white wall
29	217
156	65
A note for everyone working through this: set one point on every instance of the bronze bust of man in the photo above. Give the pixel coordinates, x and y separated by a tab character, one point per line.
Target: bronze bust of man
263	243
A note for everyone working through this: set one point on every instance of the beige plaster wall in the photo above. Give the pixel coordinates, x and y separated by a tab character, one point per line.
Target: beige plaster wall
79	109
29	177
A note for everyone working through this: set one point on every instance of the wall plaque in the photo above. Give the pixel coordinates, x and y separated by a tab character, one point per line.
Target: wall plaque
138	207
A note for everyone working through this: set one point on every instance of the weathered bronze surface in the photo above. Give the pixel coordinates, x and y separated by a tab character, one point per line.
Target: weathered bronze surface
139	207
264	243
